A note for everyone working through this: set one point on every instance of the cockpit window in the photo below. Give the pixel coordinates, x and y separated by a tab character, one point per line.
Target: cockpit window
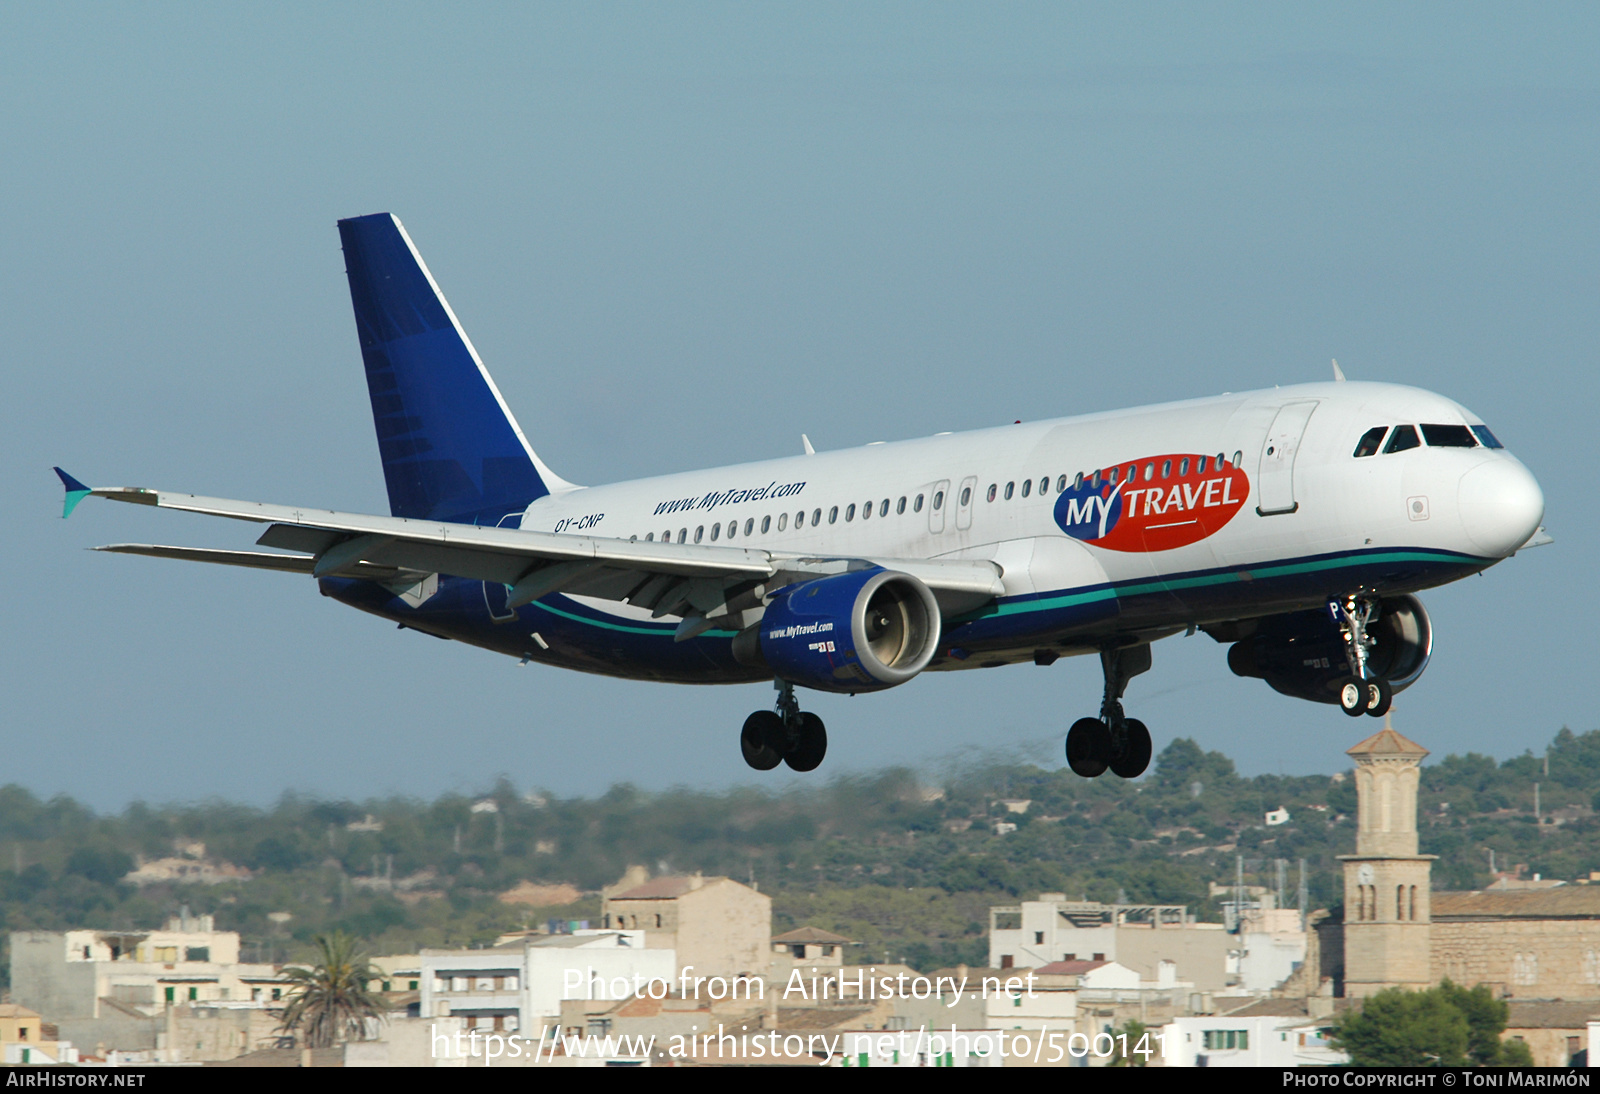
1370	440
1448	436
1485	437
1403	437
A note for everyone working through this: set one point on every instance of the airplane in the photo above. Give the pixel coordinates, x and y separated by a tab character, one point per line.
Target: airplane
1294	525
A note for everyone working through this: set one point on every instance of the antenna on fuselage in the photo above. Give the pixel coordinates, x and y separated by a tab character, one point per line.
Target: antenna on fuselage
1338	373
806	443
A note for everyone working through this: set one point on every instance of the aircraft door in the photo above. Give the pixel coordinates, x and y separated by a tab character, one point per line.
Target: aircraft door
1275	483
965	497
938	500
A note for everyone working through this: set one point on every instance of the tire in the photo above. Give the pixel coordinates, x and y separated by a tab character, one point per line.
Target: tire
1380	696
1088	747
813	744
1136	752
760	740
1353	696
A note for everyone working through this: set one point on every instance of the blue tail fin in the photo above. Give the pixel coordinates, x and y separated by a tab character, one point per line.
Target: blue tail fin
451	449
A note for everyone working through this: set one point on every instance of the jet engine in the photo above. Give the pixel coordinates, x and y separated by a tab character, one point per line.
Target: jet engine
1303	654
865	630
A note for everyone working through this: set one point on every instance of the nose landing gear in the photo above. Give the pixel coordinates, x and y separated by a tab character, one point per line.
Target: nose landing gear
784	735
1113	740
1364	692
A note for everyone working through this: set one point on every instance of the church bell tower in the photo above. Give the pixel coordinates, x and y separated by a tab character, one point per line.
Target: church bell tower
1386	883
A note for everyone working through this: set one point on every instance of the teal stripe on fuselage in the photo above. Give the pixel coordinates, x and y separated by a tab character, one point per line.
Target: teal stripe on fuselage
1051	601
1048	602
666	630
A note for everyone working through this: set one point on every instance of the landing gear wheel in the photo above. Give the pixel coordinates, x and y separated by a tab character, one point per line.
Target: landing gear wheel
1136	749
1380	695
812	746
1353	696
761	740
1088	747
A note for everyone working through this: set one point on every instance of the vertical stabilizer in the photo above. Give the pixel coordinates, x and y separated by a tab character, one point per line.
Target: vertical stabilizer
451	449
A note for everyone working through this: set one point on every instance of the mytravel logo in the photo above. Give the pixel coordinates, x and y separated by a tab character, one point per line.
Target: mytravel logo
1153	504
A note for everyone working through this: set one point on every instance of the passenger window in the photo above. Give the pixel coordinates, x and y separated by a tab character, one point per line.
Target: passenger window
966	496
1111	476
766	524
783	519
833	515
866	511
716	529
850	513
699	533
1132	471
1221	461
1403	437
1166	469
1149	472
1370	440
938	499
1488	439
1044	486
1200	468
1238	458
750	524
1448	436
900	507
666	537
1077	482
994	490
1027	487
649	537
1183	467
816	516
883	507
1061	484
683	534
916	506
1010	489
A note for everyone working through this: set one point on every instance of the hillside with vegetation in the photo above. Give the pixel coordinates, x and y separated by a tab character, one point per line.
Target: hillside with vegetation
905	865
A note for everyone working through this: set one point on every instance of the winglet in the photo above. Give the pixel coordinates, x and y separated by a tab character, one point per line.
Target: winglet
76	492
1338	373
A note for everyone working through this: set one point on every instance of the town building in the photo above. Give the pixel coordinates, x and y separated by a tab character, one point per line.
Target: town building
521	986
715	925
1139	936
111	988
25	1038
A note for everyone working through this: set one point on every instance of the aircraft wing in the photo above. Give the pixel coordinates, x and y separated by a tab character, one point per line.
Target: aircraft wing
707	585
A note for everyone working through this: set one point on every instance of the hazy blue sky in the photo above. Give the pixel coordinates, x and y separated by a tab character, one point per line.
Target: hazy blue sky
680	236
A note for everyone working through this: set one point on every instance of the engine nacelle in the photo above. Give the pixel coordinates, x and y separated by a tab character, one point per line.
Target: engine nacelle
1302	653
860	631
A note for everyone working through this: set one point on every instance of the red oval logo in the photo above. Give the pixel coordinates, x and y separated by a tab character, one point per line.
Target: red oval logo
1153	504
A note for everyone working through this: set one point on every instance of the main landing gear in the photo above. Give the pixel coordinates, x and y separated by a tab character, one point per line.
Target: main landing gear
1364	692
1112	740
785	735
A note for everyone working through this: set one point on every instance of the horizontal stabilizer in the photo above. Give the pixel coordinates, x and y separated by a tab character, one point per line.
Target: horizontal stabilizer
76	492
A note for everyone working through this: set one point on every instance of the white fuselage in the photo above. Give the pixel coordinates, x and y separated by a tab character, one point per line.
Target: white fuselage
1475	501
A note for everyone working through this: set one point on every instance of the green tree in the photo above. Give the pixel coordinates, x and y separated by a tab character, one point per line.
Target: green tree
330	1003
1446	1026
1399	1028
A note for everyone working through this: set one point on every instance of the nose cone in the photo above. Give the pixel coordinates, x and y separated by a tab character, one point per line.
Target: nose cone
1501	506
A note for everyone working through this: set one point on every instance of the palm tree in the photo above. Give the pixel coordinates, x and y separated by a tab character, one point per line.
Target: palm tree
330	1003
